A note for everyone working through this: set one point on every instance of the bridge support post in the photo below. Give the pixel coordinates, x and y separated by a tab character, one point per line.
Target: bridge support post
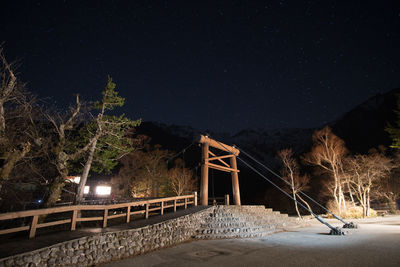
209	162
235	181
204	175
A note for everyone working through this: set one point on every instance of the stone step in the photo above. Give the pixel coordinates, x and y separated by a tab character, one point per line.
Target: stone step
226	224
243	221
244	214
210	231
238	235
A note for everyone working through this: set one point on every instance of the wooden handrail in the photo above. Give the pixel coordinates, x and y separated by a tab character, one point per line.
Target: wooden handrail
35	214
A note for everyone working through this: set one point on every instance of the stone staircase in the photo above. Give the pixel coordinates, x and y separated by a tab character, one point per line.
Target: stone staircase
244	221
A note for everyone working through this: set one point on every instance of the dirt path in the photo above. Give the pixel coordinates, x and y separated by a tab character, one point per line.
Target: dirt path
376	243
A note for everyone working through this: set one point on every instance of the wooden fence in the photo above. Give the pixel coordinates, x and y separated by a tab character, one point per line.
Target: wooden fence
120	210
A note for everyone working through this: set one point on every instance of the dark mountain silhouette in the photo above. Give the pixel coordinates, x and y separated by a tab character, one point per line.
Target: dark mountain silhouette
362	128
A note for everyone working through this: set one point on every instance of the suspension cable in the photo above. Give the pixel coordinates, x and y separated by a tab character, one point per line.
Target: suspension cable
335	231
183	151
280	177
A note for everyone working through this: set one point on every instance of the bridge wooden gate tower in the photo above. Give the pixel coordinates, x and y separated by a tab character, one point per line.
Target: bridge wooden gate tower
210	162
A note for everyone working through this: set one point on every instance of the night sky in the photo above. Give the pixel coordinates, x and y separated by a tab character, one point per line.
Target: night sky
217	65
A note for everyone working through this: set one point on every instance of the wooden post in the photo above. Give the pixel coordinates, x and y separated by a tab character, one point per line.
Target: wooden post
128	214
105	217
174	205
195	198
147	211
235	182
185	202
162	207
204	175
32	230
227	199
73	219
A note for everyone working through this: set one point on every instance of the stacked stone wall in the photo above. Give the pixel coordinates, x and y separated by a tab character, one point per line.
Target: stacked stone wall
105	247
211	223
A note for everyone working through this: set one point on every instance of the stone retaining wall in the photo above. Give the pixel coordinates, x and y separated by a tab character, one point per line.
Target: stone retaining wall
105	247
210	223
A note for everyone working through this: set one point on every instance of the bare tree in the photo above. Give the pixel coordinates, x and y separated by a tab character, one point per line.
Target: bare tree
17	125
291	174
62	124
388	190
368	172
143	172
182	180
327	153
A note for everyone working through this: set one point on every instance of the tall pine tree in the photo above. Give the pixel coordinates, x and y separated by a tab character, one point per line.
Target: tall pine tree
106	136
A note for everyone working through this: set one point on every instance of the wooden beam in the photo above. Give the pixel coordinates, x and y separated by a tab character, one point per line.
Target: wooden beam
14	230
204	175
88	219
53	223
105	218
221	157
235	183
116	215
220	160
29	213
227	199
137	212
221	168
221	146
32	230
35	214
73	220
128	214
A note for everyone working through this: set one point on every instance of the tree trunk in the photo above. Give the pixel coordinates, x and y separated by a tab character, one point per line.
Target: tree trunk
11	159
364	205
351	194
55	192
85	173
295	204
368	203
342	199
306	203
335	195
392	206
59	182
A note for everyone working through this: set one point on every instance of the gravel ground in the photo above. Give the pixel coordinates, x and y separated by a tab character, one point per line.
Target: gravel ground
375	243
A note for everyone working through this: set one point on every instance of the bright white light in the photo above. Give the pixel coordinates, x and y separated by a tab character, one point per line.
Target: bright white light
74	179
86	189
103	190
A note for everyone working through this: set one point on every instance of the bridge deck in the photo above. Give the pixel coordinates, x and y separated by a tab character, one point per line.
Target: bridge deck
16	245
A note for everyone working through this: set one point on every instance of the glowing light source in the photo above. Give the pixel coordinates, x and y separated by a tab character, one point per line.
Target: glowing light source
74	179
103	190
86	189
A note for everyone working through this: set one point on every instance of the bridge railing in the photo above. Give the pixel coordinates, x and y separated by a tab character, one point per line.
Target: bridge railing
219	200
109	212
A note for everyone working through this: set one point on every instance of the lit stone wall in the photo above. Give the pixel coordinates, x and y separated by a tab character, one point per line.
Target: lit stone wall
211	223
105	247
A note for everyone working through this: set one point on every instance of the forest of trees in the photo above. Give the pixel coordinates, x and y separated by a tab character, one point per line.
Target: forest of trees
350	182
41	145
